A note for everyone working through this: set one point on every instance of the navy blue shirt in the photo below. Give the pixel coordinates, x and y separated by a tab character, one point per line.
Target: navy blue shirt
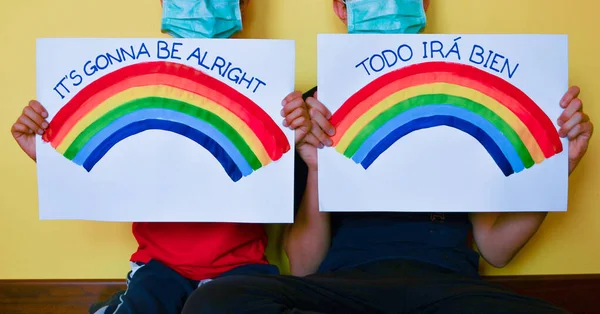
358	238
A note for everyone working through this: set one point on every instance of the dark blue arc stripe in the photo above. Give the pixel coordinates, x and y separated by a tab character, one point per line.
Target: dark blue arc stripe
155	124
439	120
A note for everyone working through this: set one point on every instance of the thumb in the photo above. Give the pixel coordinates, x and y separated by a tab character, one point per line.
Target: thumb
19	130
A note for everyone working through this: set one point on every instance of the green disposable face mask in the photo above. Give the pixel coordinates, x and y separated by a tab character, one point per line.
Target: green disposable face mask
385	16
201	18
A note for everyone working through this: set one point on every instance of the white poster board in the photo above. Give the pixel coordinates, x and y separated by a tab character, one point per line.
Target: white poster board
443	123
185	130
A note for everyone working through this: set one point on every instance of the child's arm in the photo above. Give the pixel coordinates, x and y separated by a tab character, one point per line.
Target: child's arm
500	236
307	240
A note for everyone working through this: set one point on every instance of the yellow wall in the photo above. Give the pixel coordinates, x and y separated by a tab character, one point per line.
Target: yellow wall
29	248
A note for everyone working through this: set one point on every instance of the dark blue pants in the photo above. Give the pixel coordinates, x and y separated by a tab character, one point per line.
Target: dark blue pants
155	288
393	286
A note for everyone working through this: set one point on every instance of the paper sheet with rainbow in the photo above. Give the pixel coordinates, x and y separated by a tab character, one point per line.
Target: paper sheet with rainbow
443	122
165	130
173	97
516	133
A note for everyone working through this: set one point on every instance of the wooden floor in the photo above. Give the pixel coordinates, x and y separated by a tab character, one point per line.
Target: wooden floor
53	296
578	294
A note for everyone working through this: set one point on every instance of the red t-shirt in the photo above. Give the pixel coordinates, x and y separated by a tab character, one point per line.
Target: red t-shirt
200	251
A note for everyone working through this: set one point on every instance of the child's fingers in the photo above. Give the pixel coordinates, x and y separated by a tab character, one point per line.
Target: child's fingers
23	119
320	135
35	117
571	94
574	106
298	122
314	103
291	106
291	96
582	128
311	139
37	107
294	115
323	123
571	123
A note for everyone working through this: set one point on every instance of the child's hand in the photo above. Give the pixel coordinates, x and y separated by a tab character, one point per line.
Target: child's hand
320	115
296	115
32	122
575	125
306	142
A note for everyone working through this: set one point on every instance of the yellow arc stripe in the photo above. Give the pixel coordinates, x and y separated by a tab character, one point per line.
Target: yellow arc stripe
171	93
450	89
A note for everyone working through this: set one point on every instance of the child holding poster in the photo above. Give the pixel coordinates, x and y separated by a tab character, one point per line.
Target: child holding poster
173	259
389	262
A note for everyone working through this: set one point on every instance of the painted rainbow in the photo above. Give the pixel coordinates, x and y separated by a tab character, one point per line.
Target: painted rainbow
170	97
513	129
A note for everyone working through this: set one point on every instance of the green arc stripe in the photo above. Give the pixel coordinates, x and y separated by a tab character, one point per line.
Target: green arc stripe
440	99
170	104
